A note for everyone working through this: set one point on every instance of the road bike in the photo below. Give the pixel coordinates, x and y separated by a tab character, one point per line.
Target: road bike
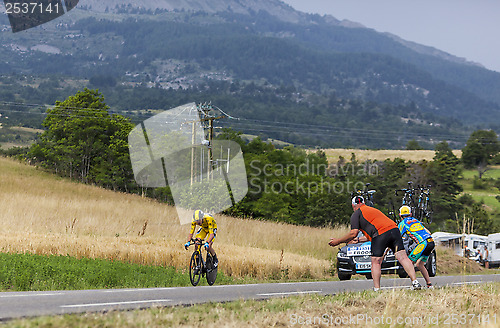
424	204
366	194
408	197
199	267
421	208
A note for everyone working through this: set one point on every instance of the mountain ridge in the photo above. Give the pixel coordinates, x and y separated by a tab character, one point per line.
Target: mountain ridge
256	64
276	8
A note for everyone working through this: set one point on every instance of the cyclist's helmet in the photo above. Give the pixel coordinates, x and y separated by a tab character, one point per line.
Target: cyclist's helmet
198	215
358	200
404	211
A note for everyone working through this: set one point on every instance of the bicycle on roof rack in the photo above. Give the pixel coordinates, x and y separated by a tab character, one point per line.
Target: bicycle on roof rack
418	199
408	196
366	194
424	204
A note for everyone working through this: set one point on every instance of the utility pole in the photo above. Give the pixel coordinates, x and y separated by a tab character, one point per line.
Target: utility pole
193	139
205	118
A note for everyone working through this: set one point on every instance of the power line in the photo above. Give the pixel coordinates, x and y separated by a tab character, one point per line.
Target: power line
263	126
335	135
313	130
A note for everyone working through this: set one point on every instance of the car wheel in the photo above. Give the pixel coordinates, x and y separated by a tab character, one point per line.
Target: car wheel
431	264
344	276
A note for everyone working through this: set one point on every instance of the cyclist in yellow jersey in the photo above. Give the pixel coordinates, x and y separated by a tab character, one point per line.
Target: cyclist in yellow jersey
208	226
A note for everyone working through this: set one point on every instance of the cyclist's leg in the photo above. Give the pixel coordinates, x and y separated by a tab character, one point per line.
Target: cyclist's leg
423	270
201	234
212	250
376	270
417	256
422	259
395	243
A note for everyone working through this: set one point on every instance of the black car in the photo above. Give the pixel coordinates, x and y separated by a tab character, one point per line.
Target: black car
356	259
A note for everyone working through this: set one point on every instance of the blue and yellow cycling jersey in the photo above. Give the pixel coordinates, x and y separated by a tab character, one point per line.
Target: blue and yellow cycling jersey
208	225
415	229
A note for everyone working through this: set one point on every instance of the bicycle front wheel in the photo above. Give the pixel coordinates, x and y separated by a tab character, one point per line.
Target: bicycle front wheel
428	211
195	268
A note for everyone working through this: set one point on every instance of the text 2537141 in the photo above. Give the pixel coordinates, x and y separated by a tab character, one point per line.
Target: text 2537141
32	8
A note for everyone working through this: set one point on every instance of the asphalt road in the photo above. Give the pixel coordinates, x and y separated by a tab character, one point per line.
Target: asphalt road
29	304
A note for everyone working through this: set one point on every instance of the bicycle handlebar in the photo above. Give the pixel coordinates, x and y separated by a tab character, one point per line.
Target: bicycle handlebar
194	241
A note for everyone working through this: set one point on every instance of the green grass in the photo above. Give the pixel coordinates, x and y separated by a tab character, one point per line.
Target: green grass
492	173
487	194
27	272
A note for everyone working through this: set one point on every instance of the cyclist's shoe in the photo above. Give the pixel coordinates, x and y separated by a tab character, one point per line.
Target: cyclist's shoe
430	286
375	289
415	285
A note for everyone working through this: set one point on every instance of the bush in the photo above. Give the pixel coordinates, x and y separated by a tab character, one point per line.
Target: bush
479	184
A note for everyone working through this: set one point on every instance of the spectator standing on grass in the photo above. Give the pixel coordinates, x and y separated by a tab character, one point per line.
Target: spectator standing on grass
383	233
485	257
421	236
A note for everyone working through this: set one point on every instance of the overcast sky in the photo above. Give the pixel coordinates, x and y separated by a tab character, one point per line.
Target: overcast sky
464	28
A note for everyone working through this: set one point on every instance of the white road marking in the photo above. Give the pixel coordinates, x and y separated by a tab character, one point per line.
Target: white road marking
291	293
30	295
395	287
467	283
114	303
138	290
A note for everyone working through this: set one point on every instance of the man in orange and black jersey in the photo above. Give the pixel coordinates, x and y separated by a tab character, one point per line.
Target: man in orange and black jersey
208	226
383	233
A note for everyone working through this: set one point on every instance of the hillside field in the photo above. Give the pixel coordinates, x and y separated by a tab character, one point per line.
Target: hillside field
47	215
43	214
382	154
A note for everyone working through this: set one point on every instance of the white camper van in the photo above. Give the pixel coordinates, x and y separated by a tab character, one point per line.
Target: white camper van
451	240
474	243
494	249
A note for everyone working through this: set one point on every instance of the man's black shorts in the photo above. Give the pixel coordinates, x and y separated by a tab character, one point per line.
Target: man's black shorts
391	239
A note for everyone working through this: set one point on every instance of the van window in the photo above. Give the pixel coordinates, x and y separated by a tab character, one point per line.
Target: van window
498	246
479	243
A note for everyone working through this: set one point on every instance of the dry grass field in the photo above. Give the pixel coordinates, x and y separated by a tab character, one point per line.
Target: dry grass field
43	214
380	155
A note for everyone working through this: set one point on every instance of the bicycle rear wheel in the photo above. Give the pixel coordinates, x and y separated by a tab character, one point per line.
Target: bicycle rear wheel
211	271
195	268
428	211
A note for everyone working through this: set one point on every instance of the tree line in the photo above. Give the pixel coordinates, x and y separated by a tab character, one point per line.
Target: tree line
83	141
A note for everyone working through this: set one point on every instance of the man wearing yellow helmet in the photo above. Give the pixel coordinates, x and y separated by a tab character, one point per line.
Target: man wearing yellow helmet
208	226
425	244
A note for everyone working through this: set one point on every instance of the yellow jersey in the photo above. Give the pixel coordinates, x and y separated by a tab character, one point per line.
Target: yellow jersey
208	225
